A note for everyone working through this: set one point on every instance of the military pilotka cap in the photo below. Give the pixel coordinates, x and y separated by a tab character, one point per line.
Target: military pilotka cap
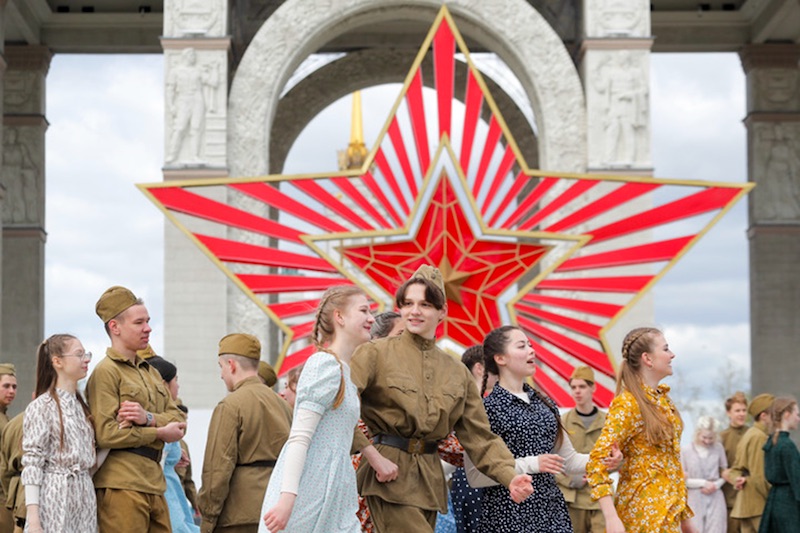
267	373
7	369
760	403
583	372
240	344
147	353
432	274
114	301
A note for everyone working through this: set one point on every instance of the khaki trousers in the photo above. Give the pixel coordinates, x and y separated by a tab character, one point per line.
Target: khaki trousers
587	520
129	511
734	524
6	519
750	525
392	517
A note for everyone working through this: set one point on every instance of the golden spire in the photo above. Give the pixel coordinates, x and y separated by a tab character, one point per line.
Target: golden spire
356	152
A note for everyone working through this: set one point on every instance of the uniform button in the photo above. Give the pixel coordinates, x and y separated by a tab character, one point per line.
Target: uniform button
427	376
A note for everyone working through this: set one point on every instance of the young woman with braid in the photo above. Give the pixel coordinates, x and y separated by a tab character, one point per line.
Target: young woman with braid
58	443
782	470
313	486
645	424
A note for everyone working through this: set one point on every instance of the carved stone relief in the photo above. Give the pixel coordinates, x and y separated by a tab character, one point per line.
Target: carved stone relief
618	101
206	18
22	178
775	90
776	168
195	107
617	18
22	91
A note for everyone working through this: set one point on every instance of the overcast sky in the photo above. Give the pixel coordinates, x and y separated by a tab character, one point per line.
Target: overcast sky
106	134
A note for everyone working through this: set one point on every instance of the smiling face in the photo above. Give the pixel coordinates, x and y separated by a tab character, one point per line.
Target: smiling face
737	414
658	358
355	319
419	315
706	437
519	359
73	363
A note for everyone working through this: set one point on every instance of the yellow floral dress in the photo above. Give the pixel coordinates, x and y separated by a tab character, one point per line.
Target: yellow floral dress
651	495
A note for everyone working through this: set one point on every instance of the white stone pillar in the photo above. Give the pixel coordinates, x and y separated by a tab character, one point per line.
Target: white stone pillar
23	175
615	68
196	50
773	140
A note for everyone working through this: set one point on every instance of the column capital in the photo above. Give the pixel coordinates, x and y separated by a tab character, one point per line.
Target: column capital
28	57
772	55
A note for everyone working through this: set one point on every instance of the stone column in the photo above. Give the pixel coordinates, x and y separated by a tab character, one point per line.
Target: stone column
615	67
24	236
196	50
773	141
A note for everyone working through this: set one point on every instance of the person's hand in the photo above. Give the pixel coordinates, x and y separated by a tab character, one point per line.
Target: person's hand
131	412
550	463
614	459
34	524
184	460
521	487
688	527
708	488
614	525
172	432
277	517
385	470
739	483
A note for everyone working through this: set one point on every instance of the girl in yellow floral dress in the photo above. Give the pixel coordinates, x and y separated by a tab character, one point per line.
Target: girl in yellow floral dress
644	423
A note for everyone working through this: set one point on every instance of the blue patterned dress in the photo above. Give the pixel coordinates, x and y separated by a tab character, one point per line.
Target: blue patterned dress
527	429
327	498
180	513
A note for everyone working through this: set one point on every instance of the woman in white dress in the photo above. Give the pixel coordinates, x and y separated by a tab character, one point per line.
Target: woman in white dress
313	486
58	443
703	461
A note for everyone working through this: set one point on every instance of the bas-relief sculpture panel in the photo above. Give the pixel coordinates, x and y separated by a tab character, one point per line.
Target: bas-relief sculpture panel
776	168
207	18
22	91
195	105
774	89
21	177
617	18
618	108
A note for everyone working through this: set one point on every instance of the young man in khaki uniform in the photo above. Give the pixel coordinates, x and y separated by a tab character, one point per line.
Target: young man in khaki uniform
748	466
134	416
736	409
8	391
247	431
583	424
11	472
413	394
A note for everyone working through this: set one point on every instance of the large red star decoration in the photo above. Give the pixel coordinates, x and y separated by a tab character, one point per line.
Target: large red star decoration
562	256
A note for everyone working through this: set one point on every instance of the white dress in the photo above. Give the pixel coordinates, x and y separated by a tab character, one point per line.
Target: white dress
67	502
710	512
327	497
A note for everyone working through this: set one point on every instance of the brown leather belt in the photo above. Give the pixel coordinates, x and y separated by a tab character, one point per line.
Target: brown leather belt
266	463
145	451
413	446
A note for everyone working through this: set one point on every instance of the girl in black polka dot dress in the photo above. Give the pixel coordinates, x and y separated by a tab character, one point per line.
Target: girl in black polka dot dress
530	425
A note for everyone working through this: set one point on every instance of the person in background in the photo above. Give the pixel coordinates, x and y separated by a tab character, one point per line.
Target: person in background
267	374
11	471
583	425
782	470
8	391
703	462
248	428
747	470
736	410
58	443
181	516
289	392
387	324
645	424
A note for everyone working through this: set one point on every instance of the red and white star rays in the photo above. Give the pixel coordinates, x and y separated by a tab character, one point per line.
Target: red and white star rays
562	256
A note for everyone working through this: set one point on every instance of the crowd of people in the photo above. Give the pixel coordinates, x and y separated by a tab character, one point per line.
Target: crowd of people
437	444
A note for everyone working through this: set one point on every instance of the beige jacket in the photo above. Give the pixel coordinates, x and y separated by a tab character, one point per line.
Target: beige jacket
749	462
583	440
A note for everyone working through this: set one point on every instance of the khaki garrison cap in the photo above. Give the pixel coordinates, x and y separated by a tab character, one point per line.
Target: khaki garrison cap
583	372
7	369
432	274
267	373
759	404
240	344
115	300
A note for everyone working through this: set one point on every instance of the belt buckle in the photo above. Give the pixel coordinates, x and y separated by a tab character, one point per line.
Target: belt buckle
416	446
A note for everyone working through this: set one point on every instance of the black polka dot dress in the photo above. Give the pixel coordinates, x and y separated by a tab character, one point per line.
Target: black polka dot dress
466	503
527	429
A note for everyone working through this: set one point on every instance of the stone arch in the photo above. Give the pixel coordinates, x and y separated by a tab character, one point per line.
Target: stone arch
510	28
369	67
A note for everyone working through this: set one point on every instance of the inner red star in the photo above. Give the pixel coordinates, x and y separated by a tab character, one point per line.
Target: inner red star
476	269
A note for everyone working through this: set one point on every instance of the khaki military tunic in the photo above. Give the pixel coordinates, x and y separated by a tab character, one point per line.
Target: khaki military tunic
730	439
114	380
412	389
583	440
11	467
251	424
6	520
749	461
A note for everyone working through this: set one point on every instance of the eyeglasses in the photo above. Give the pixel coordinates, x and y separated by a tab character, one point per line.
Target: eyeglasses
85	356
